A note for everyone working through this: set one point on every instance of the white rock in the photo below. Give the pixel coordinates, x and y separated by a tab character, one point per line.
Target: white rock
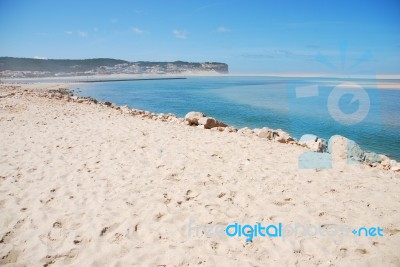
342	148
283	137
314	143
395	167
245	131
267	133
125	109
193	117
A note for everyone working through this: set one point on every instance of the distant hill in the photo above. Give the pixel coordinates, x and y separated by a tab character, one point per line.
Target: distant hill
11	67
55	65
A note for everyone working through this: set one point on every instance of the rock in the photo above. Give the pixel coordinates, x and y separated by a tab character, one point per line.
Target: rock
107	103
384	157
209	122
60	93
245	131
385	164
93	100
283	137
267	133
372	158
314	143
395	167
173	120
270	134
342	148
230	129
125	110
193	117
256	131
389	164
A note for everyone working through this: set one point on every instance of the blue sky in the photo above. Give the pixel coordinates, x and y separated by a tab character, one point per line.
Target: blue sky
251	36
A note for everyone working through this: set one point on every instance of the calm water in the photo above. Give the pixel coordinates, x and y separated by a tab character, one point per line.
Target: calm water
271	102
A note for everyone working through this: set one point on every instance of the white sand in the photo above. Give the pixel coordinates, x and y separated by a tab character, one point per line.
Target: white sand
84	185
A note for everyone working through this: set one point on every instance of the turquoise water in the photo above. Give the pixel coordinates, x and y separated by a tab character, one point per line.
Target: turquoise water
267	102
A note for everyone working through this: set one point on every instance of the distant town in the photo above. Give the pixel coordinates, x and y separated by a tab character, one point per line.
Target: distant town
11	67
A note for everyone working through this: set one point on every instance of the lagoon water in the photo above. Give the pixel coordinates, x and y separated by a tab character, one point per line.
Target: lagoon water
296	105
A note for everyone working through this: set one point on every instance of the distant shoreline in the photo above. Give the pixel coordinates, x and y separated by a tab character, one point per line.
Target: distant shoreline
379	82
131	80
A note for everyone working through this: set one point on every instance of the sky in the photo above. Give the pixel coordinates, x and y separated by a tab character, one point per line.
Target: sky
252	37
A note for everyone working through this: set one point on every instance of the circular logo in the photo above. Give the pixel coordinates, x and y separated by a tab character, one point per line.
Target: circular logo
358	94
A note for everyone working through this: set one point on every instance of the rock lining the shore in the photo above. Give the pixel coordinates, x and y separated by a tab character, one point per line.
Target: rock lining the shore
314	143
339	146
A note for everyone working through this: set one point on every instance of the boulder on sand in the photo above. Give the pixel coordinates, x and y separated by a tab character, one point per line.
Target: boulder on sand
283	137
277	135
342	148
192	118
314	143
372	158
266	133
209	123
395	166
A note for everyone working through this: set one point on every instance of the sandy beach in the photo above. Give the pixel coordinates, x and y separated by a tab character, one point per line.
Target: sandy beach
86	184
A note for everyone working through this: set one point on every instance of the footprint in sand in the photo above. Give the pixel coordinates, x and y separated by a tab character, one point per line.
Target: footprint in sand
65	258
190	195
213	208
361	251
55	238
7	237
108	229
343	252
10	257
286	201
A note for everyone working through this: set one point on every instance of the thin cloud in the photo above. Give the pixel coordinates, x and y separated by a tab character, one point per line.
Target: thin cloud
78	33
137	30
180	34
283	52
223	29
82	34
